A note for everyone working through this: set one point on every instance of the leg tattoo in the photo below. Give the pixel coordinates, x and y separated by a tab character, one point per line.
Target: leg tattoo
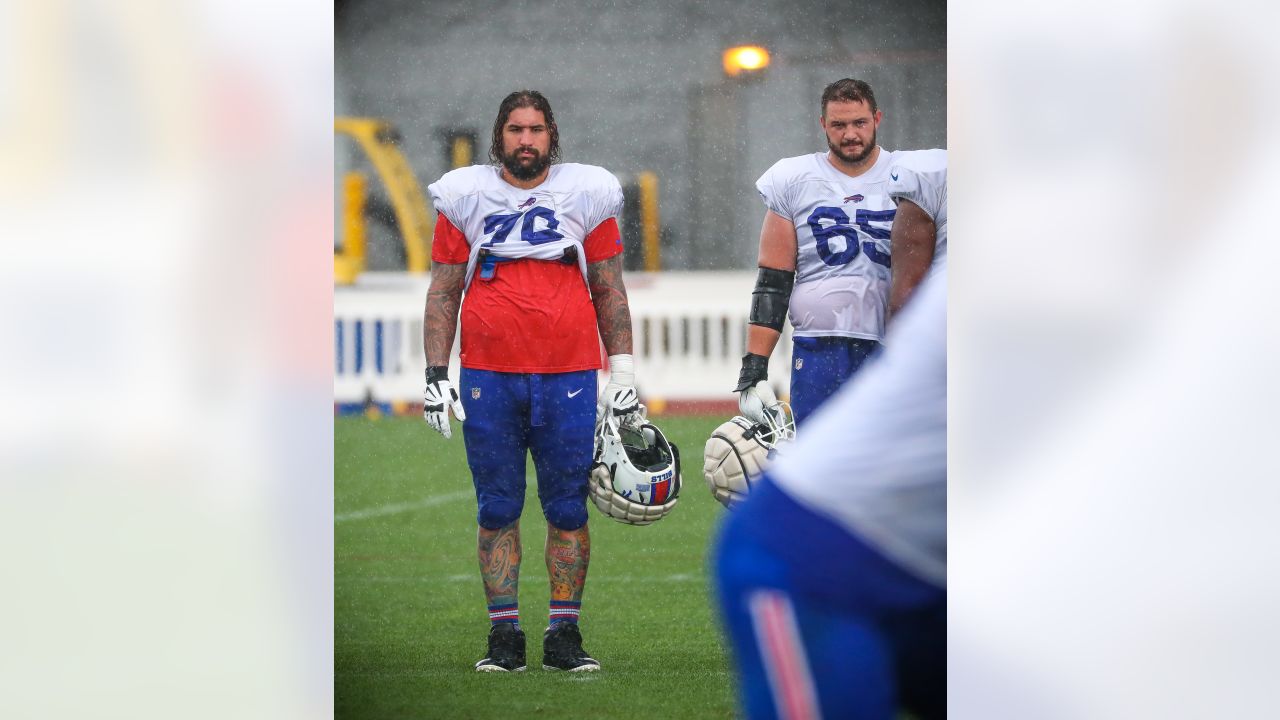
500	563
568	554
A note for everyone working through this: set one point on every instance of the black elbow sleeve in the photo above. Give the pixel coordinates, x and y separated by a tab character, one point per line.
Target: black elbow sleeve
770	298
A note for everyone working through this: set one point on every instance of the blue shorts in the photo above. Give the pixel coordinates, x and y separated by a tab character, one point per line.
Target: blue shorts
819	619
820	365
510	415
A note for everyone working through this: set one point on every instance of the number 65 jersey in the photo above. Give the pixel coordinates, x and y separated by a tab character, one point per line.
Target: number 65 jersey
842	243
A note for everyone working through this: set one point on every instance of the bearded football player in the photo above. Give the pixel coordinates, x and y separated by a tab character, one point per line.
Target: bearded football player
824	259
536	247
832	573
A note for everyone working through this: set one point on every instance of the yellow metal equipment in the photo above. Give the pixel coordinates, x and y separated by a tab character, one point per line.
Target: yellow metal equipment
350	262
460	151
379	141
649	221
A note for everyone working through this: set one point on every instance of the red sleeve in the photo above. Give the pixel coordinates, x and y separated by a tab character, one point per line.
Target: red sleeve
448	245
604	242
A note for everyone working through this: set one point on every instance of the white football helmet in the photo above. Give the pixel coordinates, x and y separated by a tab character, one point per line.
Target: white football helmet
738	451
636	475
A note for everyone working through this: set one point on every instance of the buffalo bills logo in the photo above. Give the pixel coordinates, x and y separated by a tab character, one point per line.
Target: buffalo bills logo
525	204
660	489
854	198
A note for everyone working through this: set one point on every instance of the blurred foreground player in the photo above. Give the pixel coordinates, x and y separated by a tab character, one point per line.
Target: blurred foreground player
832	573
537	249
824	258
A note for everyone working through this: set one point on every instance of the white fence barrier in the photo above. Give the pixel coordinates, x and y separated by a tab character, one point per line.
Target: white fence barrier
689	333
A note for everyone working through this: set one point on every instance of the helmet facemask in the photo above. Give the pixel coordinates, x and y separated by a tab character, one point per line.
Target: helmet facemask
779	426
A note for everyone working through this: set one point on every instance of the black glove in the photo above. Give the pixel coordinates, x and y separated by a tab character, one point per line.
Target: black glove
754	369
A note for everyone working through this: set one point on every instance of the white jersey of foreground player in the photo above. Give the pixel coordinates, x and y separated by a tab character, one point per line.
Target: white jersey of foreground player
842	270
921	177
874	457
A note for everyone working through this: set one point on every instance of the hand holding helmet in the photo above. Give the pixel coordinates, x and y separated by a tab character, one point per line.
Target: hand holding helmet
756	399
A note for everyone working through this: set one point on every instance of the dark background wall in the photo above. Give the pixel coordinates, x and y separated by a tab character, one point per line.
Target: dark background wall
638	86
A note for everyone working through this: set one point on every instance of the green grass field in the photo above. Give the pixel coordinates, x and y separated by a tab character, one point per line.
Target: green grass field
410	618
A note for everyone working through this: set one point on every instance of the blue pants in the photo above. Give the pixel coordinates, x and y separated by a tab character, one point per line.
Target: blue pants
820	365
512	414
820	622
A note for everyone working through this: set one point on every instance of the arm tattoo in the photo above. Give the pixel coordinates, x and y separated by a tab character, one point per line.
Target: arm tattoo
609	295
568	555
500	563
440	321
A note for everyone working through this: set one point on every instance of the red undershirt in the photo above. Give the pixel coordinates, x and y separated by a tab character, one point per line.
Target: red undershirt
533	316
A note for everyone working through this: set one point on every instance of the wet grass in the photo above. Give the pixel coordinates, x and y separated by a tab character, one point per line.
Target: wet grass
410	617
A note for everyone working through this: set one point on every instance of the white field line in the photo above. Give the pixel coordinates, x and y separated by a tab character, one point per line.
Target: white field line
397	508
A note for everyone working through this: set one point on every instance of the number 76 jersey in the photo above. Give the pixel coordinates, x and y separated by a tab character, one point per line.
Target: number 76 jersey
842	243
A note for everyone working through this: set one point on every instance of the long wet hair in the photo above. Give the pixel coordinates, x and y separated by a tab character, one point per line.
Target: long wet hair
519	99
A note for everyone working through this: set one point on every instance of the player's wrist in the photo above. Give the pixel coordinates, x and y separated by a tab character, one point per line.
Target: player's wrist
754	369
437	373
622	369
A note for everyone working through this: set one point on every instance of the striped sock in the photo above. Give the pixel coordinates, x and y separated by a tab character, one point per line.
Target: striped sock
504	613
564	611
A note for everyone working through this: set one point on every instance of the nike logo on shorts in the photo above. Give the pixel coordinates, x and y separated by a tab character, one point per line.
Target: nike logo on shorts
575	392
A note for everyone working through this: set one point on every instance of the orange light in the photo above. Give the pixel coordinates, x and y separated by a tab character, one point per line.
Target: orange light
745	58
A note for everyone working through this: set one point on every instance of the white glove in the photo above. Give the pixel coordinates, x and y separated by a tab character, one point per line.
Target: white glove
619	396
758	403
439	397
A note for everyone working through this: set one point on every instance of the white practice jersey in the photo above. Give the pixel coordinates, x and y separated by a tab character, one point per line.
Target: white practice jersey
540	223
842	237
874	457
921	177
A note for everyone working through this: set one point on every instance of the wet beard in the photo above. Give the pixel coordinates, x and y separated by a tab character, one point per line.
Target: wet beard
522	171
852	158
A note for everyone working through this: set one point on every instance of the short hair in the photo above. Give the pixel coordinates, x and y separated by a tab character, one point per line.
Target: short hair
519	99
848	90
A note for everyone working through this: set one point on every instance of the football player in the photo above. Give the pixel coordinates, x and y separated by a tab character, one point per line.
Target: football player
832	572
918	184
824	258
536	247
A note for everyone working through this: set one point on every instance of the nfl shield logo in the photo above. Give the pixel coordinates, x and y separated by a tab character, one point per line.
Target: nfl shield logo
799	363
475	393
